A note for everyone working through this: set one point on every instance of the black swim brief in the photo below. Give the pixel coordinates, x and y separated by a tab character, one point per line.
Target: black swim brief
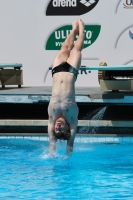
65	67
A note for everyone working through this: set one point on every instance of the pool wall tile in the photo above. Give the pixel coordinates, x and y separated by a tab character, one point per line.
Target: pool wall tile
93	139
120	139
131	139
20	137
78	139
26	137
83	139
44	138
126	139
88	139
9	137
36	138
3	137
101	139
115	139
109	139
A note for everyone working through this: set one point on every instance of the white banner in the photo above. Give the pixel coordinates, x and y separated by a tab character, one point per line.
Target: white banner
27	25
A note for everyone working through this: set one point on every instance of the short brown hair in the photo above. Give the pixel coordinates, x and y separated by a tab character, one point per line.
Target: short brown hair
63	135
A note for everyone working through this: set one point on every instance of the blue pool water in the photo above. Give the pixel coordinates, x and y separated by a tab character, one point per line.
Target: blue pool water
95	171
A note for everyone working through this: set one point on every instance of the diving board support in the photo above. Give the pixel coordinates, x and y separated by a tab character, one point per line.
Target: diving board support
114	78
11	74
126	84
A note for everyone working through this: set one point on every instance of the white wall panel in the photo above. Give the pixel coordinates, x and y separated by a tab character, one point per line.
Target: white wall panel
25	28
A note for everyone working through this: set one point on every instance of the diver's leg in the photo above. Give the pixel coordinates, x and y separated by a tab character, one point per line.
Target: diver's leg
75	55
69	42
64	53
79	43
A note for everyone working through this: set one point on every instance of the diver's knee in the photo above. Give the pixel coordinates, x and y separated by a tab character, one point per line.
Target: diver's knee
66	46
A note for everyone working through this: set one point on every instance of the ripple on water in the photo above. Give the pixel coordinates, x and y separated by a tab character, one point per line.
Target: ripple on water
93	171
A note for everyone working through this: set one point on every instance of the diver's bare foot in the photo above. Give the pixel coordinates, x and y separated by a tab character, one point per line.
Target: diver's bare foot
81	26
75	26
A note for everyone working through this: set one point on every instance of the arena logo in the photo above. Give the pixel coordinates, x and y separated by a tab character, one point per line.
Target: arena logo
70	7
128	4
57	38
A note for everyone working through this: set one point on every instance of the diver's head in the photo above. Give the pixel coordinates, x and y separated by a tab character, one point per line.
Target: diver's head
61	129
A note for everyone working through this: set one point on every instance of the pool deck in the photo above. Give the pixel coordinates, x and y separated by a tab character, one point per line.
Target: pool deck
84	95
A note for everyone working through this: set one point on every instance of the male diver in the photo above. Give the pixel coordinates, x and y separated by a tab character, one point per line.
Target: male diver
62	109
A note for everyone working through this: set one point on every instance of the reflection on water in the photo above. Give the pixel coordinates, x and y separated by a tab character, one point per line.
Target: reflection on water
96	115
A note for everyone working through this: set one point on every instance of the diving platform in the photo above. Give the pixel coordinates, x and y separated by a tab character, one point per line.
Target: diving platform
24	110
106	109
84	95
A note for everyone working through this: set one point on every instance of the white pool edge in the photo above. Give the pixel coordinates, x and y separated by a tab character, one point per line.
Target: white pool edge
80	139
